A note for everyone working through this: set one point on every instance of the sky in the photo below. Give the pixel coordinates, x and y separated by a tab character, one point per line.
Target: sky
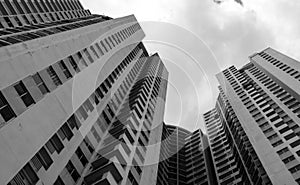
198	38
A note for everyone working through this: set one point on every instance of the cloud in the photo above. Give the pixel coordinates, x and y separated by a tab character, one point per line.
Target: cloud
232	32
221	1
281	17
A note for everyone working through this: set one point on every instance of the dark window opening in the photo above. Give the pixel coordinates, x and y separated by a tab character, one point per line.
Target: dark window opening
24	94
5	110
40	83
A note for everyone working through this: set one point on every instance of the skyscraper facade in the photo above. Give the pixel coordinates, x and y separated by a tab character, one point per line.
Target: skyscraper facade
123	155
79	95
235	161
184	158
256	119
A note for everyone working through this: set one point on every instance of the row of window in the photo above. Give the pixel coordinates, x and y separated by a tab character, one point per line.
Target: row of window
28	174
285	117
60	72
266	104
284	67
43	26
141	89
54	144
279	92
224	160
33	6
11	22
104	118
108	114
285	97
246	150
34	12
117	127
255	92
144	135
41	30
42	158
289	160
247	153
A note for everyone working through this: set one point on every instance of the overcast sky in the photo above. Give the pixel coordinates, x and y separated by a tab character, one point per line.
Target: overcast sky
198	38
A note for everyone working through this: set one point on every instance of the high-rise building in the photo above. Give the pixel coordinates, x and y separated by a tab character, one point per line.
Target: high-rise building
79	95
184	158
256	120
82	102
128	152
234	158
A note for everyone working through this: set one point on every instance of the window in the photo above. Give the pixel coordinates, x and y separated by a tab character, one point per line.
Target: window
35	163
72	170
81	59
115	37
88	106
67	131
65	70
5	110
288	159
94	51
138	169
40	83
120	36
44	158
95	99
59	181
95	133
132	179
99	49
82	114
61	134
102	44
57	144
99	92
24	94
86	52
136	166
25	176
73	64
277	143
106	41
105	117
81	156
88	144
50	147
295	143
103	88
295	168
290	136
30	174
74	122
54	76
111	41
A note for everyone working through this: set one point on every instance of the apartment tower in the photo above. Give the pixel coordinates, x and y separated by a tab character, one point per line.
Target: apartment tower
184	158
255	125
79	95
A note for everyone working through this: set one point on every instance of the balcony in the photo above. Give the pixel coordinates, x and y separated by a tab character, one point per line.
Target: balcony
107	179
108	174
